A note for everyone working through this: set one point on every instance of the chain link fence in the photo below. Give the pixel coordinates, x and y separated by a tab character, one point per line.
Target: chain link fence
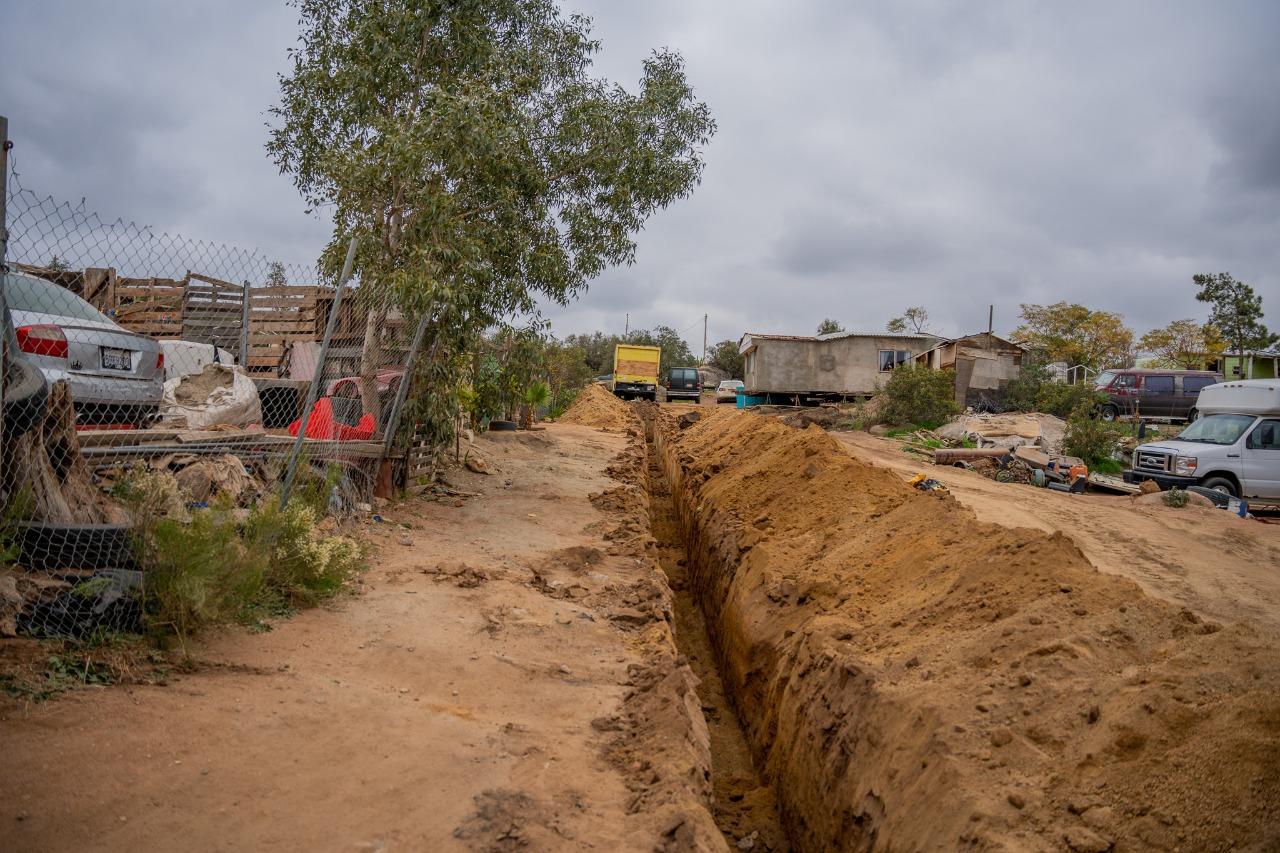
138	362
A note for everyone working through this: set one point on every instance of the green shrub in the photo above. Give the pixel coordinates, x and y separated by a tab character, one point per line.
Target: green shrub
223	564
1175	497
1036	390
915	394
1089	437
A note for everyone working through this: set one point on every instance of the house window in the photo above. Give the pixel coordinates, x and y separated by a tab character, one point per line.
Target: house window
891	358
750	364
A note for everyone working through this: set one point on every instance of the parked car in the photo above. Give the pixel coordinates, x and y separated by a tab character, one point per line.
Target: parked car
727	391
116	376
683	383
1233	447
1153	393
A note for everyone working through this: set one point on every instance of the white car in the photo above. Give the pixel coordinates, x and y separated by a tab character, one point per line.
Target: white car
116	376
727	391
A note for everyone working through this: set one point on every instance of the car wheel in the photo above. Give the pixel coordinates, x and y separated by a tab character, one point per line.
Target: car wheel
1109	413
1192	415
1221	484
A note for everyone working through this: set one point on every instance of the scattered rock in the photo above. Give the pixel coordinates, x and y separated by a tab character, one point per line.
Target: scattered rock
1017	800
478	465
1083	840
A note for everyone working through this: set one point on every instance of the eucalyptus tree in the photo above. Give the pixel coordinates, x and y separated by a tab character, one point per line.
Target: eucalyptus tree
477	162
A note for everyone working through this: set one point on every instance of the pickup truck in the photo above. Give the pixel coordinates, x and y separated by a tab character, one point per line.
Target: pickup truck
1233	448
635	371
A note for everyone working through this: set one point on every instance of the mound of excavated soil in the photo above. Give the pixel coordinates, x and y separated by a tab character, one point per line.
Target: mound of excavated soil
597	407
916	679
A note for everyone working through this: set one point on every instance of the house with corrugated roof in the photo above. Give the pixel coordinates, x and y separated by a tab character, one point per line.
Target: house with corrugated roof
840	365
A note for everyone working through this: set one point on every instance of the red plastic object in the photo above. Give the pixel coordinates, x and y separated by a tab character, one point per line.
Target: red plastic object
322	424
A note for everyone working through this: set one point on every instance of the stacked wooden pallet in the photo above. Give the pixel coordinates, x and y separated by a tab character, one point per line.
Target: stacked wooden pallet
149	306
213	312
280	315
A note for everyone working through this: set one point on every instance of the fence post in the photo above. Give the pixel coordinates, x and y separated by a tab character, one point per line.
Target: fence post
244	328
4	268
393	420
314	390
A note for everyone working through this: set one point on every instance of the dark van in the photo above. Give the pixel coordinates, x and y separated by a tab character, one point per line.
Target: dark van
1153	393
683	383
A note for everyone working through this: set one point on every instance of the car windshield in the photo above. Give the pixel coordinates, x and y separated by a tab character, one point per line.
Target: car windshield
1217	429
1104	378
25	293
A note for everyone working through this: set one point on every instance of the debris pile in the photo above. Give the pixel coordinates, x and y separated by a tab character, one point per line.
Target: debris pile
1007	430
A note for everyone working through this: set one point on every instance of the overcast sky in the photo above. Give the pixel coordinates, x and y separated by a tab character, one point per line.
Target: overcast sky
870	155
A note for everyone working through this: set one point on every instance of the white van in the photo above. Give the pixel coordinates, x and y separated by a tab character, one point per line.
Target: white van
1233	448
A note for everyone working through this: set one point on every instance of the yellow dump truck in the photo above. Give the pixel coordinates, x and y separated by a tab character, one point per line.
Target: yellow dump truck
635	371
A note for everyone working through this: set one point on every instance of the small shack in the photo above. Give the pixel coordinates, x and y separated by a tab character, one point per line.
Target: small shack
843	365
984	363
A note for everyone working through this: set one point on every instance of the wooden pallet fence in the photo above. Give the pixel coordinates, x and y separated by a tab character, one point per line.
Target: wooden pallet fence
212	312
149	306
280	315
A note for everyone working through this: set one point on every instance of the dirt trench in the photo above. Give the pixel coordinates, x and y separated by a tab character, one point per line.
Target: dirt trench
908	677
745	807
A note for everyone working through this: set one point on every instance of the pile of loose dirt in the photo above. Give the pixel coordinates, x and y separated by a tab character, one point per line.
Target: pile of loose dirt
597	407
921	680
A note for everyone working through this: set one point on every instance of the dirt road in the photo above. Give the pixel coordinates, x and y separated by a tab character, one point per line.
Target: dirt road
468	698
1221	567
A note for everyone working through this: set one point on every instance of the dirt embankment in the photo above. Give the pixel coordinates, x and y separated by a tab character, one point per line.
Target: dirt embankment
911	678
597	407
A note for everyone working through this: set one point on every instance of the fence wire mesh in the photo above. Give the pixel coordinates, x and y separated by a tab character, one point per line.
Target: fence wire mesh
152	373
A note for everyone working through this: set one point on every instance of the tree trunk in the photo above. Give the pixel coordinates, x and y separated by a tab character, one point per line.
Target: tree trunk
44	470
370	356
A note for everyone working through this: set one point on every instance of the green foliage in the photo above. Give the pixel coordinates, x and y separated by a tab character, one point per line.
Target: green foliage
829	327
1077	335
62	671
1183	344
725	355
1036	390
915	394
17	508
221	564
478	165
675	350
1091	438
1176	498
276	275
1236	311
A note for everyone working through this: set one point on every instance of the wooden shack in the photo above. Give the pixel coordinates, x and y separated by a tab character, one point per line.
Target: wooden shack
984	364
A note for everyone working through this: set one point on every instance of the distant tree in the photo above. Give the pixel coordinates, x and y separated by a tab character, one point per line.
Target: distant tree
1236	311
915	319
597	349
1182	344
830	327
275	275
675	351
725	355
57	264
1076	334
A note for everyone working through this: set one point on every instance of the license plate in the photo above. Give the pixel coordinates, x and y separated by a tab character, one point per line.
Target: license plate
117	359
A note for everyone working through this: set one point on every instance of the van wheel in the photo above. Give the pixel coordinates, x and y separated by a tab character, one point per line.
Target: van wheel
1192	415
1110	413
1221	484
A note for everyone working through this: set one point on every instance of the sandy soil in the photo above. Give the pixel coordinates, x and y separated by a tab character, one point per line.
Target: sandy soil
914	678
1221	567
484	691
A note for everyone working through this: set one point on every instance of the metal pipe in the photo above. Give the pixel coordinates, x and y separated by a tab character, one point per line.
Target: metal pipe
947	455
314	390
393	419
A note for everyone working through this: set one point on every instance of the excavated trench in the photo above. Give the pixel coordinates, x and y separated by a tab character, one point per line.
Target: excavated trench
745	807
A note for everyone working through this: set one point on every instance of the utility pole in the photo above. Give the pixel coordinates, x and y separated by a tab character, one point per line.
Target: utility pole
991	318
627	329
704	338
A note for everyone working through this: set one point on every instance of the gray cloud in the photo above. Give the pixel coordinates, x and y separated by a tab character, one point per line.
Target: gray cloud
870	155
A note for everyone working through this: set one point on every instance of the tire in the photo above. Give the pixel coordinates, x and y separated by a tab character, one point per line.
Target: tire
1192	416
1221	484
1109	413
50	547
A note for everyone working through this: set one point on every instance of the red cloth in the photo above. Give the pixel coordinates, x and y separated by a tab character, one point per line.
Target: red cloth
322	424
